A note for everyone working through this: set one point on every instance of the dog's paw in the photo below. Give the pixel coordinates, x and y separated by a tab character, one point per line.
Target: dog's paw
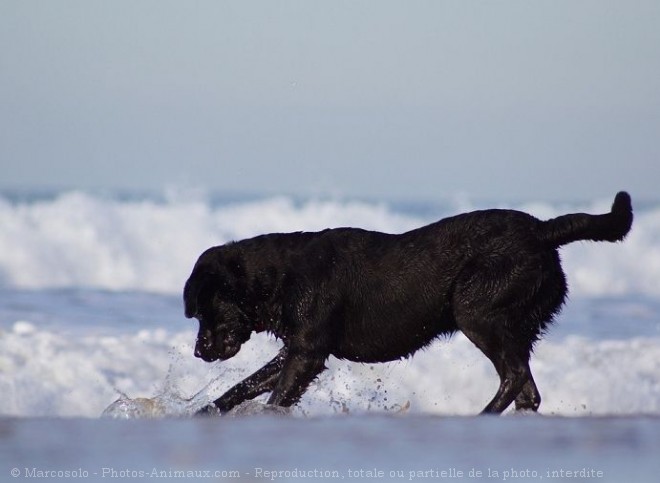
254	408
209	411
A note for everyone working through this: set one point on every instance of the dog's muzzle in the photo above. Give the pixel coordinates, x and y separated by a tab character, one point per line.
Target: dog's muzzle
222	348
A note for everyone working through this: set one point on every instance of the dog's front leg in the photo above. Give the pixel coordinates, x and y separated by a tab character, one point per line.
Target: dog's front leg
258	383
299	370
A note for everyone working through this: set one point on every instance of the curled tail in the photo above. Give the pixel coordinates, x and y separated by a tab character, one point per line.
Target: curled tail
612	226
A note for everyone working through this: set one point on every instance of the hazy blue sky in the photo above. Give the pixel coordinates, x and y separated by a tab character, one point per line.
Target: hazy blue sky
389	99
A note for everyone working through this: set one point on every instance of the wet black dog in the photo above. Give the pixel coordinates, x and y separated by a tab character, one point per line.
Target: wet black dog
366	296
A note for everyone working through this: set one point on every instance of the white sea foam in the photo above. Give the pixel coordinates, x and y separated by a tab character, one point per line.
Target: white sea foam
43	373
80	240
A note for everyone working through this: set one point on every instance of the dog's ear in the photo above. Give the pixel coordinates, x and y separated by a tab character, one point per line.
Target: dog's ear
200	284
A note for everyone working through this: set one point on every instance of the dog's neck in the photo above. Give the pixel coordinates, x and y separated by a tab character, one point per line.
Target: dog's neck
269	320
265	308
267	317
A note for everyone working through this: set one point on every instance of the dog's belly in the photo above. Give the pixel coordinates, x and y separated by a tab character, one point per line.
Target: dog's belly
382	339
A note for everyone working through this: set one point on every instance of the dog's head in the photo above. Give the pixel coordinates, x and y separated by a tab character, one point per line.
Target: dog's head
215	294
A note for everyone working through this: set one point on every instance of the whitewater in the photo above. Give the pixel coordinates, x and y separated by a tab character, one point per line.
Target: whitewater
91	308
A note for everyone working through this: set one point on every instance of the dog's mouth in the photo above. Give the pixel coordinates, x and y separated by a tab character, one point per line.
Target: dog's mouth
228	351
224	348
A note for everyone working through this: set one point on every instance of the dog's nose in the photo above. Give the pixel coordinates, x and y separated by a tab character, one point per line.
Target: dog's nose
198	354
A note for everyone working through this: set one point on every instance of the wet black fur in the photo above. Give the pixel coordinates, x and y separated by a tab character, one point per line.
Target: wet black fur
366	296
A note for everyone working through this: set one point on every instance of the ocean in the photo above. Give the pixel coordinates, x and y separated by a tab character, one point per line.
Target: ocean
91	309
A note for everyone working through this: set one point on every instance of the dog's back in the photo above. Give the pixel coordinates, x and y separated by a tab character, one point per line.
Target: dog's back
494	267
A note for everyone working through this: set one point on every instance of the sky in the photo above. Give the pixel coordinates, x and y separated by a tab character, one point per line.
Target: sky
372	99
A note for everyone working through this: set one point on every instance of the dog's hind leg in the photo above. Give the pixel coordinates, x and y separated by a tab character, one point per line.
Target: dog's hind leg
502	305
512	380
511	363
529	398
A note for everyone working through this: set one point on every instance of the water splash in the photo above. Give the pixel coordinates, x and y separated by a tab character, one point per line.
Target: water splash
160	407
171	403
168	403
138	408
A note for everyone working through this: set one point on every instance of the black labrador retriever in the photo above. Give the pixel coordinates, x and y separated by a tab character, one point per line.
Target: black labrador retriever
370	297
